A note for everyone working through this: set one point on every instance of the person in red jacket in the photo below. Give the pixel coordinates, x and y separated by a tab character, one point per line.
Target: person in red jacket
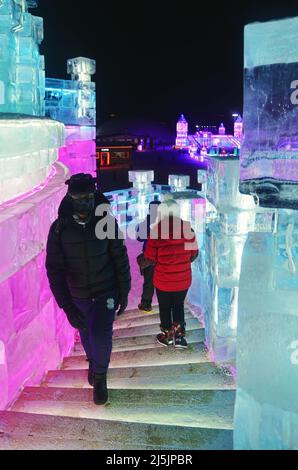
171	247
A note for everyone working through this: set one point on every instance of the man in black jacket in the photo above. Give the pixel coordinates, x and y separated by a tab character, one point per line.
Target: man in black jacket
89	276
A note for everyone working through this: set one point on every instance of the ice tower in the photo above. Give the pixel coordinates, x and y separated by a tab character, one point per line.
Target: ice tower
266	415
22	76
238	128
221	129
182	133
74	103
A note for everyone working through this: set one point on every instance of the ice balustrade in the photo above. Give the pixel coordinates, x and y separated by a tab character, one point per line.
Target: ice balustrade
266	413
229	217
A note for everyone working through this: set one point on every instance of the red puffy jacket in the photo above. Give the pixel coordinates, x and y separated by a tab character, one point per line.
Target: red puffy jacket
172	253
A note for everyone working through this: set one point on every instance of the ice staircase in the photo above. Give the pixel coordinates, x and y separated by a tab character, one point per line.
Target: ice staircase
160	398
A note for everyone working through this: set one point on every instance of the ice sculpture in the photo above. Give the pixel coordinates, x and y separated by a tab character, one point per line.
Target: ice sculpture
22	76
141	180
269	159
179	182
73	101
266	414
228	219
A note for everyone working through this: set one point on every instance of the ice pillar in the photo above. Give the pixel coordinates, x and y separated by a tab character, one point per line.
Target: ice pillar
74	103
266	414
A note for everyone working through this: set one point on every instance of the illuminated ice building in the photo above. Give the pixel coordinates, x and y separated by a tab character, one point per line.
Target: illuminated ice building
208	140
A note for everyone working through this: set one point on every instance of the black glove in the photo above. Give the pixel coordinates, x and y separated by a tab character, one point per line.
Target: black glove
75	317
122	303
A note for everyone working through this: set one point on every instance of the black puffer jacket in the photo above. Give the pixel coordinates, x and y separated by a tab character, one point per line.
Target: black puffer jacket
78	264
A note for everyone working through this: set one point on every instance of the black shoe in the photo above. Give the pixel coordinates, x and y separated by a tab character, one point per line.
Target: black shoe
90	374
100	391
145	307
180	342
165	338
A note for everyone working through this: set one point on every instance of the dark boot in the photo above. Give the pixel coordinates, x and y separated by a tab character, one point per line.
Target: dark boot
179	336
90	373
165	338
100	391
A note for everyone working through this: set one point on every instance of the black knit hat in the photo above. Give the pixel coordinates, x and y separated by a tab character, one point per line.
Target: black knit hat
81	183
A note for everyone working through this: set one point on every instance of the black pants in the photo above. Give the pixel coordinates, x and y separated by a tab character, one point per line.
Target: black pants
148	288
171	308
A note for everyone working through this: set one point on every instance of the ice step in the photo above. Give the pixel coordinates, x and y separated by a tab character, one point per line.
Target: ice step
190	376
142	319
132	342
137	314
191	324
196	352
31	431
196	408
198	376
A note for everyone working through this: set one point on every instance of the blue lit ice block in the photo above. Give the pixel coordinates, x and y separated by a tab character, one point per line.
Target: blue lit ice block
22	77
179	182
269	157
71	102
266	415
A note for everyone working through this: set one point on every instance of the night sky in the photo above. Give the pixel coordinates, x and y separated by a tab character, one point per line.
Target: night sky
157	61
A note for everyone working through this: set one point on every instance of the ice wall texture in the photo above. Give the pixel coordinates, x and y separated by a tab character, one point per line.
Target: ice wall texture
34	332
22	76
266	415
28	149
269	157
79	150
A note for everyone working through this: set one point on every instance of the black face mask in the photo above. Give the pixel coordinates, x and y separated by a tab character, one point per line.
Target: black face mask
83	205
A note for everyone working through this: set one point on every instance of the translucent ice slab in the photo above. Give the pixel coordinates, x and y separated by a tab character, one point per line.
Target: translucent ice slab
269	157
28	148
267	341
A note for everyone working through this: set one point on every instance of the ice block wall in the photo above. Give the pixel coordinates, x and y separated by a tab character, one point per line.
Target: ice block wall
266	413
73	102
28	148
34	332
22	76
269	157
